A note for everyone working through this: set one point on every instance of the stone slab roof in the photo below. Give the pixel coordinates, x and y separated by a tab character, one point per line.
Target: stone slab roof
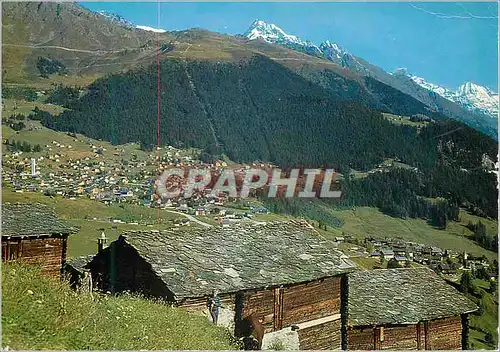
79	263
192	262
402	296
23	219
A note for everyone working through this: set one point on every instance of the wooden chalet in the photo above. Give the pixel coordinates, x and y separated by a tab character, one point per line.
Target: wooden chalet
33	234
401	309
285	274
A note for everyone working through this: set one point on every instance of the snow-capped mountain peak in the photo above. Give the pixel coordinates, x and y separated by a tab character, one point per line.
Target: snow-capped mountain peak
271	33
328	44
472	88
331	50
469	95
479	97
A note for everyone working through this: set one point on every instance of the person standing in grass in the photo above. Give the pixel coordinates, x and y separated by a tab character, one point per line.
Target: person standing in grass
213	305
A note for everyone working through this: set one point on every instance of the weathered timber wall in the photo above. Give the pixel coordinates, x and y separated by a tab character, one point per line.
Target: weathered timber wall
47	252
420	336
399	338
283	307
360	339
286	306
321	337
306	302
119	268
439	334
200	303
260	304
445	334
383	338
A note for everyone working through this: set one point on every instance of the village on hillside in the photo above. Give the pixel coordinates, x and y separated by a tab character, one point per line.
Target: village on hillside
56	171
84	169
285	301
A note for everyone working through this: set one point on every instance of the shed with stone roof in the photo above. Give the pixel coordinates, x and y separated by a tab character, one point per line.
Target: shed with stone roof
410	308
285	274
78	274
34	234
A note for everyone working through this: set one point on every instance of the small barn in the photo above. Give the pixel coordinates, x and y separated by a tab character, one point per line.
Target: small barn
77	272
283	273
401	309
33	234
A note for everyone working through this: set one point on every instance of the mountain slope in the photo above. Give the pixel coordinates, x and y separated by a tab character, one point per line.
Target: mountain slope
82	41
76	46
259	110
463	108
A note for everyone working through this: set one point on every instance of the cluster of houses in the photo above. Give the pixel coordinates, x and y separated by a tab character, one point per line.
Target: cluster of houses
111	180
295	286
389	164
443	261
89	177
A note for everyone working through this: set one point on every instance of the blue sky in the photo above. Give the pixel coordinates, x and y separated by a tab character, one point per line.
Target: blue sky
446	43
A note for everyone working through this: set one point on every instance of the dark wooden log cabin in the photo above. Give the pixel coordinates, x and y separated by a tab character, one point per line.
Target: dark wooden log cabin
33	234
283	273
401	309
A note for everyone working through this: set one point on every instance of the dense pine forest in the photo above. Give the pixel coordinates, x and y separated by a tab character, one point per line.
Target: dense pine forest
260	110
256	110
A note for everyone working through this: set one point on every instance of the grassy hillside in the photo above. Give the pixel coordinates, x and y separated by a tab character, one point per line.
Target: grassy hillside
81	146
44	313
365	221
86	43
487	322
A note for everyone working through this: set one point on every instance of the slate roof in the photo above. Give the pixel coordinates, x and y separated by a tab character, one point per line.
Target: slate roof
80	263
402	296
193	262
23	219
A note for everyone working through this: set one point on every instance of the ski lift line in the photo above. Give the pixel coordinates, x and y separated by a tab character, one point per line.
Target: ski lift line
449	132
187	48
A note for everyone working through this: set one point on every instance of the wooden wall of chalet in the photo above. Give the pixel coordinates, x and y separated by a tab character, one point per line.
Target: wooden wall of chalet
119	268
397	337
314	300
290	305
325	336
440	334
47	252
361	338
445	334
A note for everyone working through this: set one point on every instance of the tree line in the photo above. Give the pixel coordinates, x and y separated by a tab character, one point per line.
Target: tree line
24	146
